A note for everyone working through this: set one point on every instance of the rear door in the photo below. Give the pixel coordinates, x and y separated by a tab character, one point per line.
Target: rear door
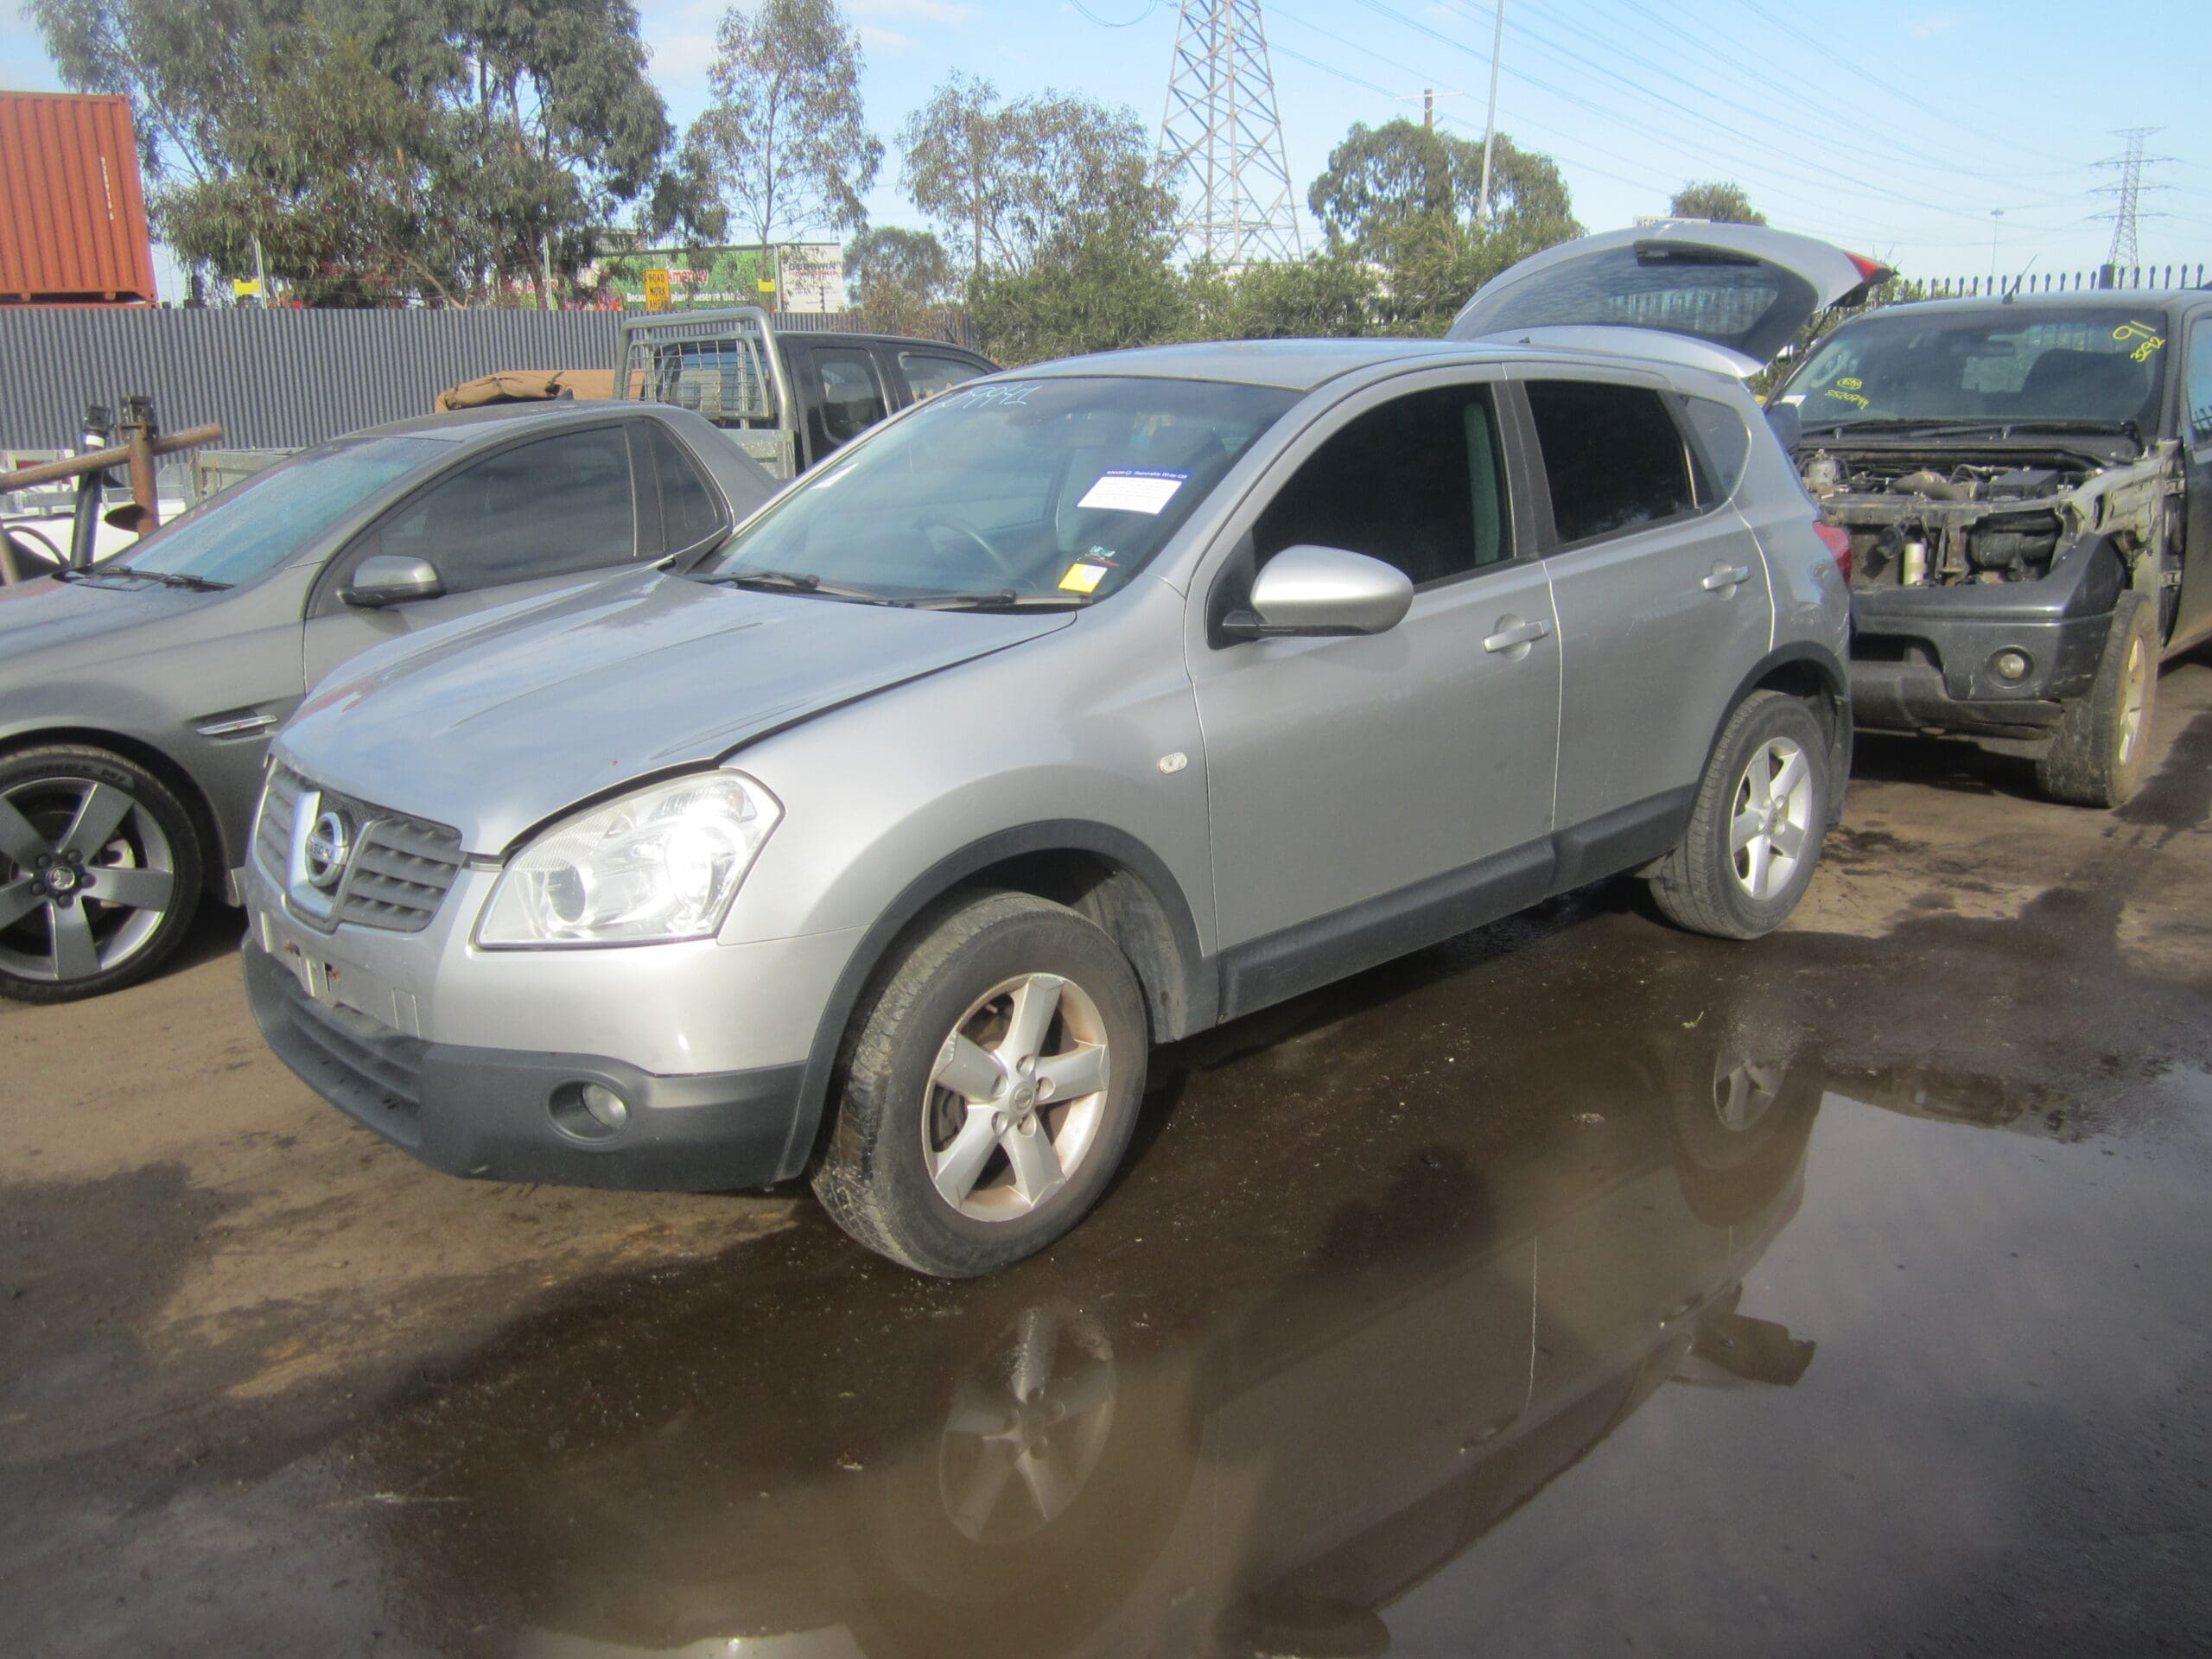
1719	296
523	519
1663	597
2194	617
843	395
926	372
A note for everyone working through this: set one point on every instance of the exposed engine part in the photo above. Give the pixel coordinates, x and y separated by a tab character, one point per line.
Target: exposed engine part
1940	516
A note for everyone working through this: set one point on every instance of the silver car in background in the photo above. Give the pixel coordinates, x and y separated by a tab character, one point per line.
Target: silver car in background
1079	709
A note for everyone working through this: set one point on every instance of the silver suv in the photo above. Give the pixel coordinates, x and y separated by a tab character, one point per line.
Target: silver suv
1075	710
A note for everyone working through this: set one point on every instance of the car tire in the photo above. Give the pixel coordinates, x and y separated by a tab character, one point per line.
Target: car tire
99	873
2096	757
1752	847
939	1158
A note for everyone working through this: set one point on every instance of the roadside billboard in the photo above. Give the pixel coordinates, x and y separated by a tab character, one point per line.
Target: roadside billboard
790	276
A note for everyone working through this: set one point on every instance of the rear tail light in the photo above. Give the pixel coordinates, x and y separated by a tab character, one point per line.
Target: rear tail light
1838	541
1872	270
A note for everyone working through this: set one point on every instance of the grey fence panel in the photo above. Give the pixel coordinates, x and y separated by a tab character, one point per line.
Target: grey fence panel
281	378
275	379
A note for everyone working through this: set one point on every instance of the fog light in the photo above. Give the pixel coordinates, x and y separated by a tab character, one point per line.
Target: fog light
2011	664
608	1108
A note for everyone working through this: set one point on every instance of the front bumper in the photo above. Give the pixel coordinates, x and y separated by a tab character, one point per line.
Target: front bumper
512	1115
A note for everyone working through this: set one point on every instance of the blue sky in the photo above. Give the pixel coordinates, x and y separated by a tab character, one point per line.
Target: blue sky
1896	133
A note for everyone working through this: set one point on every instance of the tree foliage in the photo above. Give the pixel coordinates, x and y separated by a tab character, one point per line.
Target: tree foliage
783	141
1382	181
387	149
1321	295
1720	200
902	279
1010	182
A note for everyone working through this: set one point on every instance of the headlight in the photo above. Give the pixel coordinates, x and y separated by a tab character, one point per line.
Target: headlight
656	866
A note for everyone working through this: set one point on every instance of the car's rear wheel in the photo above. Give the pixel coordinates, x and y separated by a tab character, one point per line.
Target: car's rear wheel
99	873
990	1085
2095	757
1756	825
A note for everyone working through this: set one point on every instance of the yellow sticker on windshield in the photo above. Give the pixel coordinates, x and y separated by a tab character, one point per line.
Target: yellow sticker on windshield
1083	578
2151	339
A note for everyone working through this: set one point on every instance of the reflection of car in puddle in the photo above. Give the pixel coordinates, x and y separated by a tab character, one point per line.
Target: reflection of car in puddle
1255	1455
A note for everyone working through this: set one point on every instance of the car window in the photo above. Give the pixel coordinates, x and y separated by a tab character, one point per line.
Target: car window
1726	441
254	526
1059	489
1418	483
542	508
2200	382
1613	457
851	402
929	374
2100	363
690	510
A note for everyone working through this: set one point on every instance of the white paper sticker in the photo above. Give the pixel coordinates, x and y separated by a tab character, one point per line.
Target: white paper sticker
1132	491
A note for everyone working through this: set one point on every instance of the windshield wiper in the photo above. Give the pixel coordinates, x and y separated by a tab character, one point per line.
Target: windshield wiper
167	578
794	581
1005	599
1892	424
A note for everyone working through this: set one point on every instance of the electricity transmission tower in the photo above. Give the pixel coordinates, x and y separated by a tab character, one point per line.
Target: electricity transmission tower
1221	147
2129	190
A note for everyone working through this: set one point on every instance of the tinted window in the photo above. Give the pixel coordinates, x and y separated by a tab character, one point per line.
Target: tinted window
2099	363
2200	382
1747	305
253	527
540	509
1416	483
1728	445
690	511
929	374
850	401
1613	454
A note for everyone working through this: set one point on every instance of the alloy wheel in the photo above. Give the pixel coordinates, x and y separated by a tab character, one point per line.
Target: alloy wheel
87	874
1769	823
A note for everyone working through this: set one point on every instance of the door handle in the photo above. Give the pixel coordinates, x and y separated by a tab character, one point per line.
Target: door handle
1511	632
1725	577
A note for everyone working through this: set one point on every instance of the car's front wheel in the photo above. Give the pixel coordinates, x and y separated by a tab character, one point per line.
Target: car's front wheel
2095	757
99	873
990	1085
1755	824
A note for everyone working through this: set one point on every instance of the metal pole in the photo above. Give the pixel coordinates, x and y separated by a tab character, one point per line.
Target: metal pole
260	276
1995	213
1489	132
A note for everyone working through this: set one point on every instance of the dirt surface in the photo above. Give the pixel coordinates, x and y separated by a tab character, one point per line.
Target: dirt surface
1575	1286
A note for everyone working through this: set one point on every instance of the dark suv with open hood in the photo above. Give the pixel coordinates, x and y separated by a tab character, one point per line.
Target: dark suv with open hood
2027	484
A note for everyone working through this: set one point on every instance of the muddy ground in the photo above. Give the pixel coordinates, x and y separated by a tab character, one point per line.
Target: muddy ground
1576	1286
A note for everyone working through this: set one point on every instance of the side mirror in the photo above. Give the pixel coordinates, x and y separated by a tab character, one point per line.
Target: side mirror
1322	591
389	579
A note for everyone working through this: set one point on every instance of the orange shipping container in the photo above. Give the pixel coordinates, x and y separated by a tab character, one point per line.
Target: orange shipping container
72	217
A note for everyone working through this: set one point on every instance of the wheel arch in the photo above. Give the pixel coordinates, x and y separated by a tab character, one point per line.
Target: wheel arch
1814	676
1103	873
214	855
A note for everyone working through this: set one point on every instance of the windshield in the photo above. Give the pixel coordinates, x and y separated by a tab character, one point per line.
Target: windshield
1056	489
2097	364
253	527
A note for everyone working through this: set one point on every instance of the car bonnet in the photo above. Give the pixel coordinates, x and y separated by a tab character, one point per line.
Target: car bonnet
496	728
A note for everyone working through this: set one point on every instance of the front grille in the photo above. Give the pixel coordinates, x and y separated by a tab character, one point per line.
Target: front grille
399	871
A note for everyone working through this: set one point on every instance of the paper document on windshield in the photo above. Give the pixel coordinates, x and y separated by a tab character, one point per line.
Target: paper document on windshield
1132	491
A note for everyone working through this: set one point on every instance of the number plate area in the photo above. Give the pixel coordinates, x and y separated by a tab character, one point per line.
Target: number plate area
331	981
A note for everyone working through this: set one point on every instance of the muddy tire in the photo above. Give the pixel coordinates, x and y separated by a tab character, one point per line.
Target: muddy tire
99	873
2095	757
1756	825
990	1086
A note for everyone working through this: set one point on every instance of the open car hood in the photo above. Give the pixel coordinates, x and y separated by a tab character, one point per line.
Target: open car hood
1726	297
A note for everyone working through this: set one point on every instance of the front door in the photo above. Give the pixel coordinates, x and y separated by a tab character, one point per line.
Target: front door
519	521
1662	596
1374	793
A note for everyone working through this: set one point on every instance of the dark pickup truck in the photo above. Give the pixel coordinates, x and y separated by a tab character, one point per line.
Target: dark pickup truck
2027	484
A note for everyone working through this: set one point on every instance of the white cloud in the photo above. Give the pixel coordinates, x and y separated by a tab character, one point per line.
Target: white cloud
884	40
1930	24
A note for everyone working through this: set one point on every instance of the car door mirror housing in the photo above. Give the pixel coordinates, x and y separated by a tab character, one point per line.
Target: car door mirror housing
391	579
1322	591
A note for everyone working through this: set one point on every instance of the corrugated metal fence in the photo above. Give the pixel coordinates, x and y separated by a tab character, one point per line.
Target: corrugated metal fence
277	379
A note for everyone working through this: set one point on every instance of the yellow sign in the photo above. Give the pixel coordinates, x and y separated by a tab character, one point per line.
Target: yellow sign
656	290
246	288
767	284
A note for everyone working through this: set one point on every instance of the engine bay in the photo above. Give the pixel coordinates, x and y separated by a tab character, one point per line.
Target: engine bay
1925	518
